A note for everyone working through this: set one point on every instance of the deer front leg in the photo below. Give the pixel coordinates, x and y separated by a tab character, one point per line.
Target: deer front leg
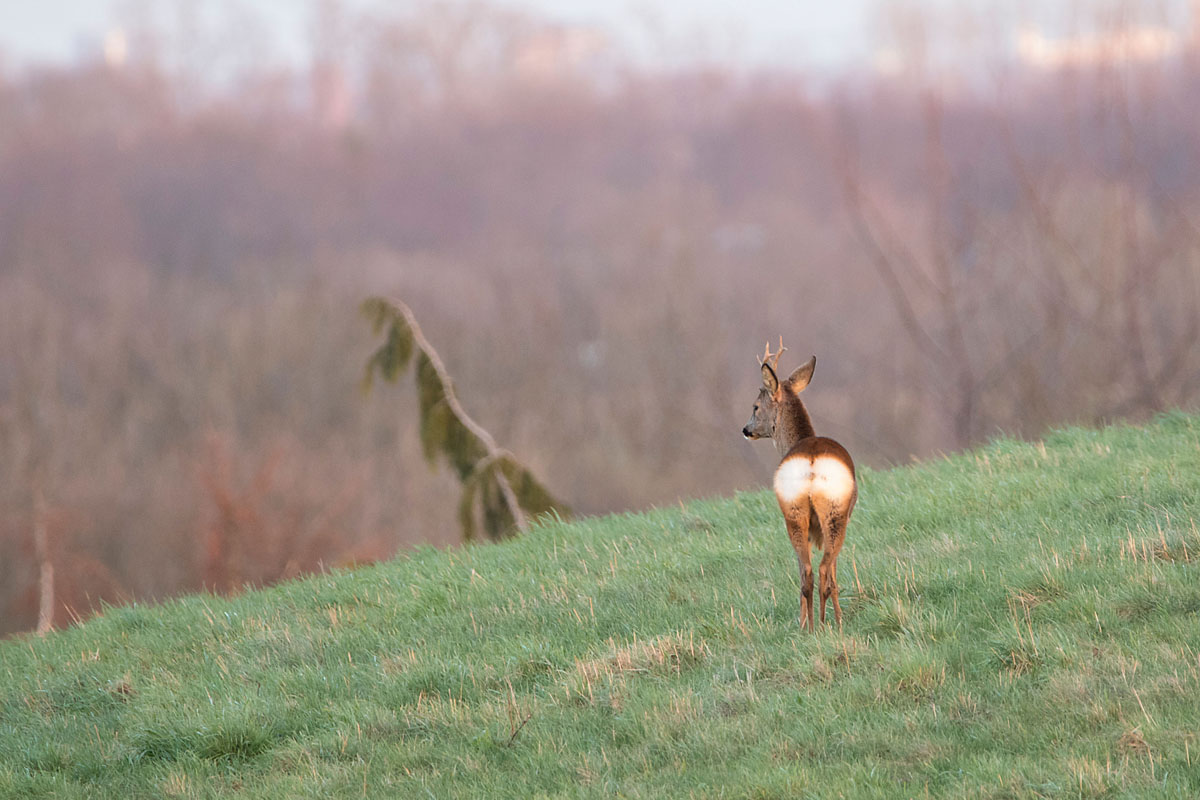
806	591
835	534
829	589
797	525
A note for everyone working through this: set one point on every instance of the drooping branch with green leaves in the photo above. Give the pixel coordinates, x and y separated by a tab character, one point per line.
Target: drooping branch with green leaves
499	494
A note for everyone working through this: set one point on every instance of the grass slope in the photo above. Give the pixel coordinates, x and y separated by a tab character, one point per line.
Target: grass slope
1021	621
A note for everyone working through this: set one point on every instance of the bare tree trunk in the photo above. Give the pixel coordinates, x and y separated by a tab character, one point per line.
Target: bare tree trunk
494	451
916	294
944	255
41	545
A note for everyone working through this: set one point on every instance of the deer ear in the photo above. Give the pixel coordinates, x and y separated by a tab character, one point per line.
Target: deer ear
803	374
770	381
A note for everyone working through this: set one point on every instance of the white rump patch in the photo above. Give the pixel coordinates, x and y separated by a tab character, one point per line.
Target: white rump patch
794	479
799	478
832	478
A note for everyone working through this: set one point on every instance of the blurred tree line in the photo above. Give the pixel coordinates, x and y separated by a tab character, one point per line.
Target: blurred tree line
598	251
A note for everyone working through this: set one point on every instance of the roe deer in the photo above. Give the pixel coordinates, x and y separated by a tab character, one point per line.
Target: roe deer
814	483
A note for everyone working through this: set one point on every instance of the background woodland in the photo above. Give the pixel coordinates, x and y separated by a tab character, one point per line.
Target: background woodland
598	253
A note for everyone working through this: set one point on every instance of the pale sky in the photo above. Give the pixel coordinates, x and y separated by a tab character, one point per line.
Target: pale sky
822	34
758	31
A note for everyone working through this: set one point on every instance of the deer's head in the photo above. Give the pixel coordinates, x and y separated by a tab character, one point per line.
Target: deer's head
773	396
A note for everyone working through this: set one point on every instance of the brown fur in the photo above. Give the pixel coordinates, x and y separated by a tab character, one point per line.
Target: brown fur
815	483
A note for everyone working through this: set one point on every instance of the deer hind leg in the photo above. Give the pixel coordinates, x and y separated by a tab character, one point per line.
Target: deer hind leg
797	517
833	522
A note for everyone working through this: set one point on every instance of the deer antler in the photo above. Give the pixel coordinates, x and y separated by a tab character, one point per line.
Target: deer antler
772	358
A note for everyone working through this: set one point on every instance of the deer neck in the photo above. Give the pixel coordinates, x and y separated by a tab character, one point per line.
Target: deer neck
792	425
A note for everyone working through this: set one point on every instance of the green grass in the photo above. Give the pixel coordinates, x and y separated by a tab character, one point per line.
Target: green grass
1021	621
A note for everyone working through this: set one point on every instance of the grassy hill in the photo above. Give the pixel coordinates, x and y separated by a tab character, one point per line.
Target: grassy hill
1021	621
